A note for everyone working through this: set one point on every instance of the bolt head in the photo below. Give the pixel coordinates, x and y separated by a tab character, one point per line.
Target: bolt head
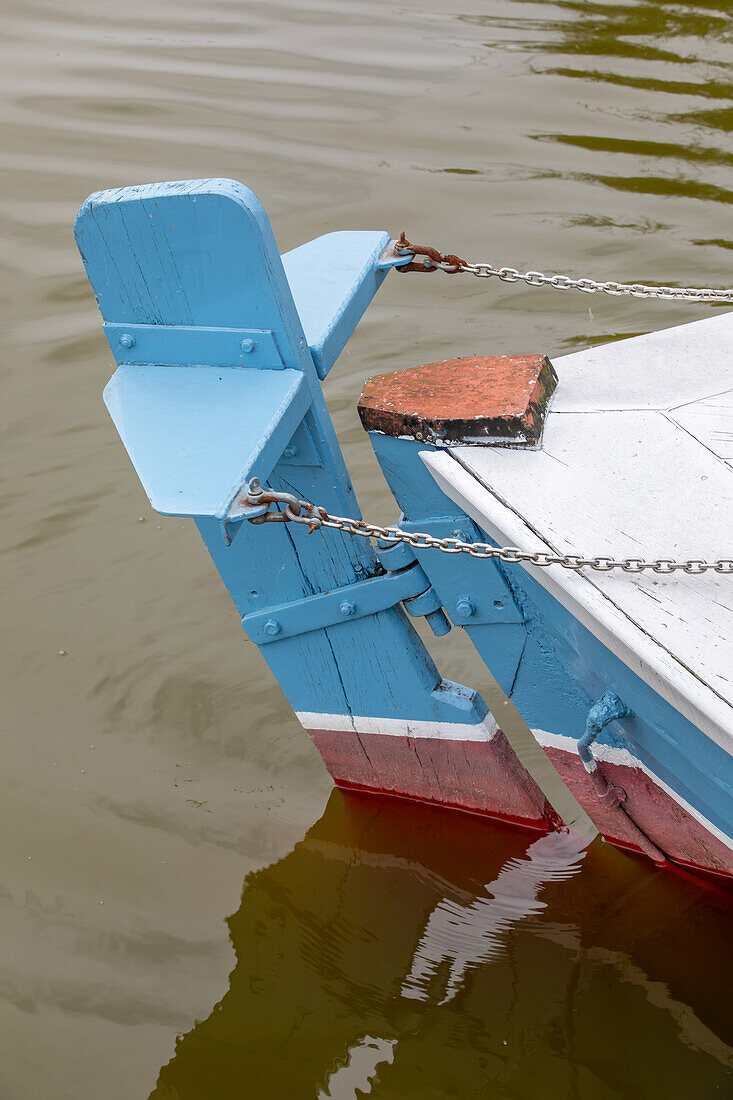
347	608
247	346
290	451
465	607
127	340
272	627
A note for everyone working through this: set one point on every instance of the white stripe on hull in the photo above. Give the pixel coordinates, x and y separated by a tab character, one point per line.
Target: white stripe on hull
400	727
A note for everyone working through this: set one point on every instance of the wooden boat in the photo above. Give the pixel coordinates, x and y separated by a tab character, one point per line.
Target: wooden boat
621	453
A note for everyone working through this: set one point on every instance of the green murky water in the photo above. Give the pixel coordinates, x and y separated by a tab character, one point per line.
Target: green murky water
186	909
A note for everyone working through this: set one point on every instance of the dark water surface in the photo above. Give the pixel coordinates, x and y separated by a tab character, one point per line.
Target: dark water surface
179	888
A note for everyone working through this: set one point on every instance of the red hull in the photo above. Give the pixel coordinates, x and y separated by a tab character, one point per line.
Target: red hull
482	777
485	777
679	835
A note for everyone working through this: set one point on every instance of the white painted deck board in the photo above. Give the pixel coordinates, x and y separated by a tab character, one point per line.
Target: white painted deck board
646	474
660	370
710	421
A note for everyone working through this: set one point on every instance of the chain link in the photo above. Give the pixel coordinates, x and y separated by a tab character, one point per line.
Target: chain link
315	517
433	260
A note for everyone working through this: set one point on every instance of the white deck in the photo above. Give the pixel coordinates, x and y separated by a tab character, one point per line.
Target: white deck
636	460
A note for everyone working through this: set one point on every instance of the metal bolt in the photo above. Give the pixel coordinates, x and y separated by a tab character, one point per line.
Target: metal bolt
127	341
290	451
272	627
465	607
247	346
347	608
254	491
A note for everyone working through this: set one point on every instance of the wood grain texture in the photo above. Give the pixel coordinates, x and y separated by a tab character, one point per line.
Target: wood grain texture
498	398
675	831
479	776
195	260
660	370
710	421
630	484
634	462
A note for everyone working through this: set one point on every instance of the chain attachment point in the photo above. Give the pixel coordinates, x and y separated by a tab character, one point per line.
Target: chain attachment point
433	260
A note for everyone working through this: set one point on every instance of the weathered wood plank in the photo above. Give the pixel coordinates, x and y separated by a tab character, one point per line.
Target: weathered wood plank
710	421
659	370
632	485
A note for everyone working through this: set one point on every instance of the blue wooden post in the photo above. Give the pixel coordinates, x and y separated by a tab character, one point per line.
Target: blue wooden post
483	596
220	344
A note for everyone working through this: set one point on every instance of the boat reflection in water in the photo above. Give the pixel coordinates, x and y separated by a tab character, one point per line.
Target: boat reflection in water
399	951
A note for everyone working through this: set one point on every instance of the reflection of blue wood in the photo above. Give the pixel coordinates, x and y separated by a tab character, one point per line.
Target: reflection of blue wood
333	279
196	435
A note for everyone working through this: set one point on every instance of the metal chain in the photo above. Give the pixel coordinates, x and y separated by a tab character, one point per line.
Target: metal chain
433	260
315	517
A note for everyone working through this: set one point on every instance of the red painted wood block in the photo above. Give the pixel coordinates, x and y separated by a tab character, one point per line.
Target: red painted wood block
483	777
483	399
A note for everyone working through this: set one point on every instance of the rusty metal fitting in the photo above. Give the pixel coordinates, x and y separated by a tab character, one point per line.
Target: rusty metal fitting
433	259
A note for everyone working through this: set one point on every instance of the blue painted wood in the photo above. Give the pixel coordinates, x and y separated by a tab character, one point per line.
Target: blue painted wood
173	265
411	484
469	595
506	643
560	668
202	254
301	450
192	345
351	602
333	279
196	435
496	621
565	669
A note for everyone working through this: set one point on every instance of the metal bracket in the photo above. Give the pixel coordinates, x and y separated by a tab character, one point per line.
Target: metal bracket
474	593
391	258
193	345
608	709
353	601
428	605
